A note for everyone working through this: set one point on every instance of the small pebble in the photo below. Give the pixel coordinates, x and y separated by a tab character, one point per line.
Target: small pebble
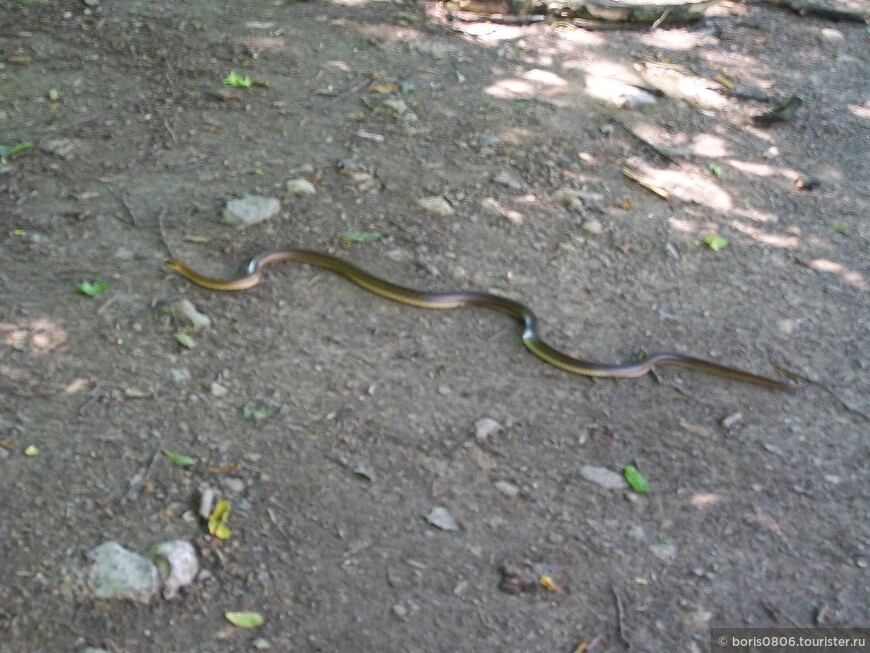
179	374
234	485
508	181
603	477
441	518
593	227
183	309
250	210
665	552
436	204
508	489
485	429
786	326
731	421
301	187
832	35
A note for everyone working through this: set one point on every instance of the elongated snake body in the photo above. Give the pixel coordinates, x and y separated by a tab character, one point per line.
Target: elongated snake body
445	300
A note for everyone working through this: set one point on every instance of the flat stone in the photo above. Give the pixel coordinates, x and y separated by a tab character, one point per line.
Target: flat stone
117	573
301	187
604	477
250	210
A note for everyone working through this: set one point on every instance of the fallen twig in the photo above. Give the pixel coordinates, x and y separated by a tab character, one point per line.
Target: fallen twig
128	207
162	228
653	148
619	627
634	176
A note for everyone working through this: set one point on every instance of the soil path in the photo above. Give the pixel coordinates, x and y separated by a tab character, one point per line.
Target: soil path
335	421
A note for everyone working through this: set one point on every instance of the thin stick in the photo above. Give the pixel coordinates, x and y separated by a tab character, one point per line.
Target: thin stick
163	231
660	20
128	207
657	150
619	617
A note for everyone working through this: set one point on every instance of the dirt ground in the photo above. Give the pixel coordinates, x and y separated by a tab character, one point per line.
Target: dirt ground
335	421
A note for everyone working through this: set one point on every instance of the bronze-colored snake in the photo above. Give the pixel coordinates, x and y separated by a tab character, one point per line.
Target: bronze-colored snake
444	300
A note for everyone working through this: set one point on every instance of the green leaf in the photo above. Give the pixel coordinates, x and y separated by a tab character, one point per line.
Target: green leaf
716	242
53	94
245	619
91	288
185	339
9	150
361	236
237	82
255	413
716	170
636	480
19	232
31	451
841	228
179	459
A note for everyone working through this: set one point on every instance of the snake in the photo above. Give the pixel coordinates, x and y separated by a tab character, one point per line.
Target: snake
457	299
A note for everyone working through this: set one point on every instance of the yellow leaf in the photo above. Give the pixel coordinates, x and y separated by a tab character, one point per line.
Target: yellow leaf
31	450
548	583
383	87
217	520
245	619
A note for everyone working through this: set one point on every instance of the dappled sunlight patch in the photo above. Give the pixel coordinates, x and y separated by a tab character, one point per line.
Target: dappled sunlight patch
492	33
39	336
574	36
511	89
851	277
780	240
681	83
536	83
677	39
862	111
710	146
692	228
544	77
771	171
338	64
756	215
687	185
742	68
706	499
605	68
76	385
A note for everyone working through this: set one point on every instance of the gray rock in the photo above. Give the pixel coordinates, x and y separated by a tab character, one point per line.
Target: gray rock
300	187
485	429
117	573
437	205
250	210
177	564
603	477
439	517
62	147
508	181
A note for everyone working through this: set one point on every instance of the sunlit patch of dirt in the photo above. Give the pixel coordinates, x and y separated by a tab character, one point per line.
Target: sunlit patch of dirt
39	336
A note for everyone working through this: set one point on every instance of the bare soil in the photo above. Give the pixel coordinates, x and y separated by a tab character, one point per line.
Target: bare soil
334	421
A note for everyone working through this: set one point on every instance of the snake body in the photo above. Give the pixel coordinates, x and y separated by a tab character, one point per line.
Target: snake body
446	300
